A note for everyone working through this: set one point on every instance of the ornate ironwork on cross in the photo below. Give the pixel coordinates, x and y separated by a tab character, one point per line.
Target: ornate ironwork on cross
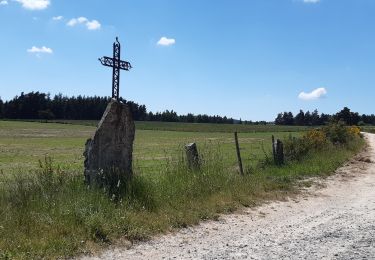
117	64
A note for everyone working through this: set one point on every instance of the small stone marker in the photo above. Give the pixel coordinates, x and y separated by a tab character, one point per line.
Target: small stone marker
192	156
111	148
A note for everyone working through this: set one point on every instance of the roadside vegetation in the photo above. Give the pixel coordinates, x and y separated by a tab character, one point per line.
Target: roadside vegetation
368	129
48	212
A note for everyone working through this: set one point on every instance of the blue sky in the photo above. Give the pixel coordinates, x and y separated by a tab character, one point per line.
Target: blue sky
246	59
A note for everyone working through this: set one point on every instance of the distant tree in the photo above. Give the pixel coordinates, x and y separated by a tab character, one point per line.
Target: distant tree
355	118
1	108
26	106
36	105
368	119
308	118
365	119
169	116
279	119
324	119
345	115
315	118
285	118
190	118
260	123
300	118
288	118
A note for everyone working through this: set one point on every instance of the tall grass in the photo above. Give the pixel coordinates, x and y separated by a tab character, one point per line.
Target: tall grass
50	213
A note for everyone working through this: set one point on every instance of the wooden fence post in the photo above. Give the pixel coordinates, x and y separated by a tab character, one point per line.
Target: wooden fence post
280	152
192	156
273	149
238	153
277	151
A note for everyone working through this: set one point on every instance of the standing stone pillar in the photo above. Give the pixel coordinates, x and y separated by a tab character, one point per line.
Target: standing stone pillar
108	154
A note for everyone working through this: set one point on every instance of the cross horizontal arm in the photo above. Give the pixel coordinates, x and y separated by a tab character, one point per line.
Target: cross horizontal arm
106	61
125	65
110	62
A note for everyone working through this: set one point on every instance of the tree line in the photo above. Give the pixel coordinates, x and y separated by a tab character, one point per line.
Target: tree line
37	105
315	119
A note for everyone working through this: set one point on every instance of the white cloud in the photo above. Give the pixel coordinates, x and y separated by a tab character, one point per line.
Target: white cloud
75	21
315	94
164	41
311	1
3	2
37	50
91	25
57	18
34	4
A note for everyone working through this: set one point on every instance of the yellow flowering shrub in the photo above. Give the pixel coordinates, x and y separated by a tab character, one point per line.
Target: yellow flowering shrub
354	130
315	138
319	139
296	148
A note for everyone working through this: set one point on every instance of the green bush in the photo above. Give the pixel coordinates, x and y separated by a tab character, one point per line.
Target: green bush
320	139
295	148
337	133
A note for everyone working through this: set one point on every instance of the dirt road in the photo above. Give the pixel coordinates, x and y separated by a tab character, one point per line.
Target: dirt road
334	222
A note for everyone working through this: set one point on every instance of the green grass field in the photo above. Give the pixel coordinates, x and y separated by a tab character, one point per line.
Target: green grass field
22	144
191	127
369	129
48	212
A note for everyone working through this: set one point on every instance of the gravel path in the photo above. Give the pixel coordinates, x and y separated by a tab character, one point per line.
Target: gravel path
334	222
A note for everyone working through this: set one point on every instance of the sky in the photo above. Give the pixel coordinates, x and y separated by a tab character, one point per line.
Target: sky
248	59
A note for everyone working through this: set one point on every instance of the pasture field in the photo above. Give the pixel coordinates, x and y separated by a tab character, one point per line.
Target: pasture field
192	127
369	129
22	144
47	212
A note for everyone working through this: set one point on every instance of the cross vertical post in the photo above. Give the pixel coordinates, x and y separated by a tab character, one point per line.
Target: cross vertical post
116	69
117	64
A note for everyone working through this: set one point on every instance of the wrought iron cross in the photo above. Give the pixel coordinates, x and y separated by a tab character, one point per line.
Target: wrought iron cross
117	64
